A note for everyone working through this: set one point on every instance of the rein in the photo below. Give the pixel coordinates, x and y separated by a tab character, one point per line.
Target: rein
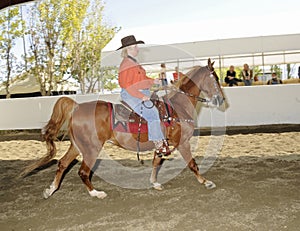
139	137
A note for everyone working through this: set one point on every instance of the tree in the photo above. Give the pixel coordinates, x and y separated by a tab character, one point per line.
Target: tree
66	40
109	79
12	28
86	52
51	29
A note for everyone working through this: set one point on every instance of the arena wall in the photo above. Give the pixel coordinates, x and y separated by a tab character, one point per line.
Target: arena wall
247	106
252	106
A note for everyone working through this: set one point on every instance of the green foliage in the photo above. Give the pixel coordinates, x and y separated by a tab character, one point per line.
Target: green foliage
86	52
257	71
221	73
52	26
110	78
289	69
66	38
11	28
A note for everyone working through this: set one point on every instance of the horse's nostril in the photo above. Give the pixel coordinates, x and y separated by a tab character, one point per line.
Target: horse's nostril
218	100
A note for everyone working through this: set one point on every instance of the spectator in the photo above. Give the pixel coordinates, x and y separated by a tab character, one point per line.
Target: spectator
177	75
274	80
299	72
163	75
247	75
230	78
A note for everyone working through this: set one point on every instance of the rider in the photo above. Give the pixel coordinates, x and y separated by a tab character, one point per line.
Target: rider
136	92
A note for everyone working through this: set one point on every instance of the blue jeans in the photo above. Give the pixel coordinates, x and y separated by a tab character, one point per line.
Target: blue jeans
151	115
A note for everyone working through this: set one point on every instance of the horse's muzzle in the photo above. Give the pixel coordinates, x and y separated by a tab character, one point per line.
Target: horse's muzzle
217	100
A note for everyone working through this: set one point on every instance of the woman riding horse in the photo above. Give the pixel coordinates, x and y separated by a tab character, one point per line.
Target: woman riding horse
136	93
89	129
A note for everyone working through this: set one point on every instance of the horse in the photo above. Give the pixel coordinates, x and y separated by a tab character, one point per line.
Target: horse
89	131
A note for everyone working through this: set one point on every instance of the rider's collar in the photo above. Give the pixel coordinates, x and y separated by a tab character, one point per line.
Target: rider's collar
133	59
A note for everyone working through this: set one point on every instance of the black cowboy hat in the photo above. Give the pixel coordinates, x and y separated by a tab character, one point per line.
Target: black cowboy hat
128	41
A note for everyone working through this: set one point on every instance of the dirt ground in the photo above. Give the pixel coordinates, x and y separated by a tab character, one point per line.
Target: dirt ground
257	178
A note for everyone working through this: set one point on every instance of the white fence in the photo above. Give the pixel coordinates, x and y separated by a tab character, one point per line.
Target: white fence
248	106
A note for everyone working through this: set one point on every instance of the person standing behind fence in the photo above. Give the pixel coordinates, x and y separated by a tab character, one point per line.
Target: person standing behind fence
230	78
163	75
177	75
247	74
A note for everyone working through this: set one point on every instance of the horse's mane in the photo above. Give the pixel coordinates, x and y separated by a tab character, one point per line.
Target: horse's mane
187	77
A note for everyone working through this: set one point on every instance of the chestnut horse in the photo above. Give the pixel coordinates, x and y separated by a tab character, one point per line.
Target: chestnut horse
89	128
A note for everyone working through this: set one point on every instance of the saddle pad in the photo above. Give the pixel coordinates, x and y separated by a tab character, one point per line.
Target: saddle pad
124	120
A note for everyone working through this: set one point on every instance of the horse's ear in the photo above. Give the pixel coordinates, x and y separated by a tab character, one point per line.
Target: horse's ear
210	64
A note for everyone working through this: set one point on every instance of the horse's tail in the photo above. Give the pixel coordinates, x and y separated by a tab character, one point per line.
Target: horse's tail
61	113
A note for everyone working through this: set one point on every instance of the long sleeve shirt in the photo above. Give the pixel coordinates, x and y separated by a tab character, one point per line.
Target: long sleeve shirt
132	77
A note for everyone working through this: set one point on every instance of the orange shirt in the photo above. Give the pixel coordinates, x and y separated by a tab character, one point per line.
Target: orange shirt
132	77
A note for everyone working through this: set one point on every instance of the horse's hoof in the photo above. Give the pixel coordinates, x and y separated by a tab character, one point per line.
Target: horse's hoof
46	193
49	191
209	184
98	194
157	186
101	195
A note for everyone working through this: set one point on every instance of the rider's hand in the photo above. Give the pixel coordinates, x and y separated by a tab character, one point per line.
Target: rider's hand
145	98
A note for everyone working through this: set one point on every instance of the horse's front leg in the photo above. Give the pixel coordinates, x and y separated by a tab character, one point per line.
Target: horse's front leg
185	151
156	165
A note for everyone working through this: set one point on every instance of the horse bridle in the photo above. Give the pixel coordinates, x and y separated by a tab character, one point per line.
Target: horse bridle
198	98
213	74
201	99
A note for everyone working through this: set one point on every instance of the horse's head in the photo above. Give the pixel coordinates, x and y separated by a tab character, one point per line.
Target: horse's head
210	85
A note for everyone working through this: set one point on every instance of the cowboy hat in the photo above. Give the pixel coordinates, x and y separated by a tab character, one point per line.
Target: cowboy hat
128	41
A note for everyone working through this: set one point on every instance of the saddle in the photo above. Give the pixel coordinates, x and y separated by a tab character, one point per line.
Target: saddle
124	119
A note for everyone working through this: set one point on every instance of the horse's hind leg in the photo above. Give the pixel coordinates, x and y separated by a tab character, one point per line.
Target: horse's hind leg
185	151
89	160
63	163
